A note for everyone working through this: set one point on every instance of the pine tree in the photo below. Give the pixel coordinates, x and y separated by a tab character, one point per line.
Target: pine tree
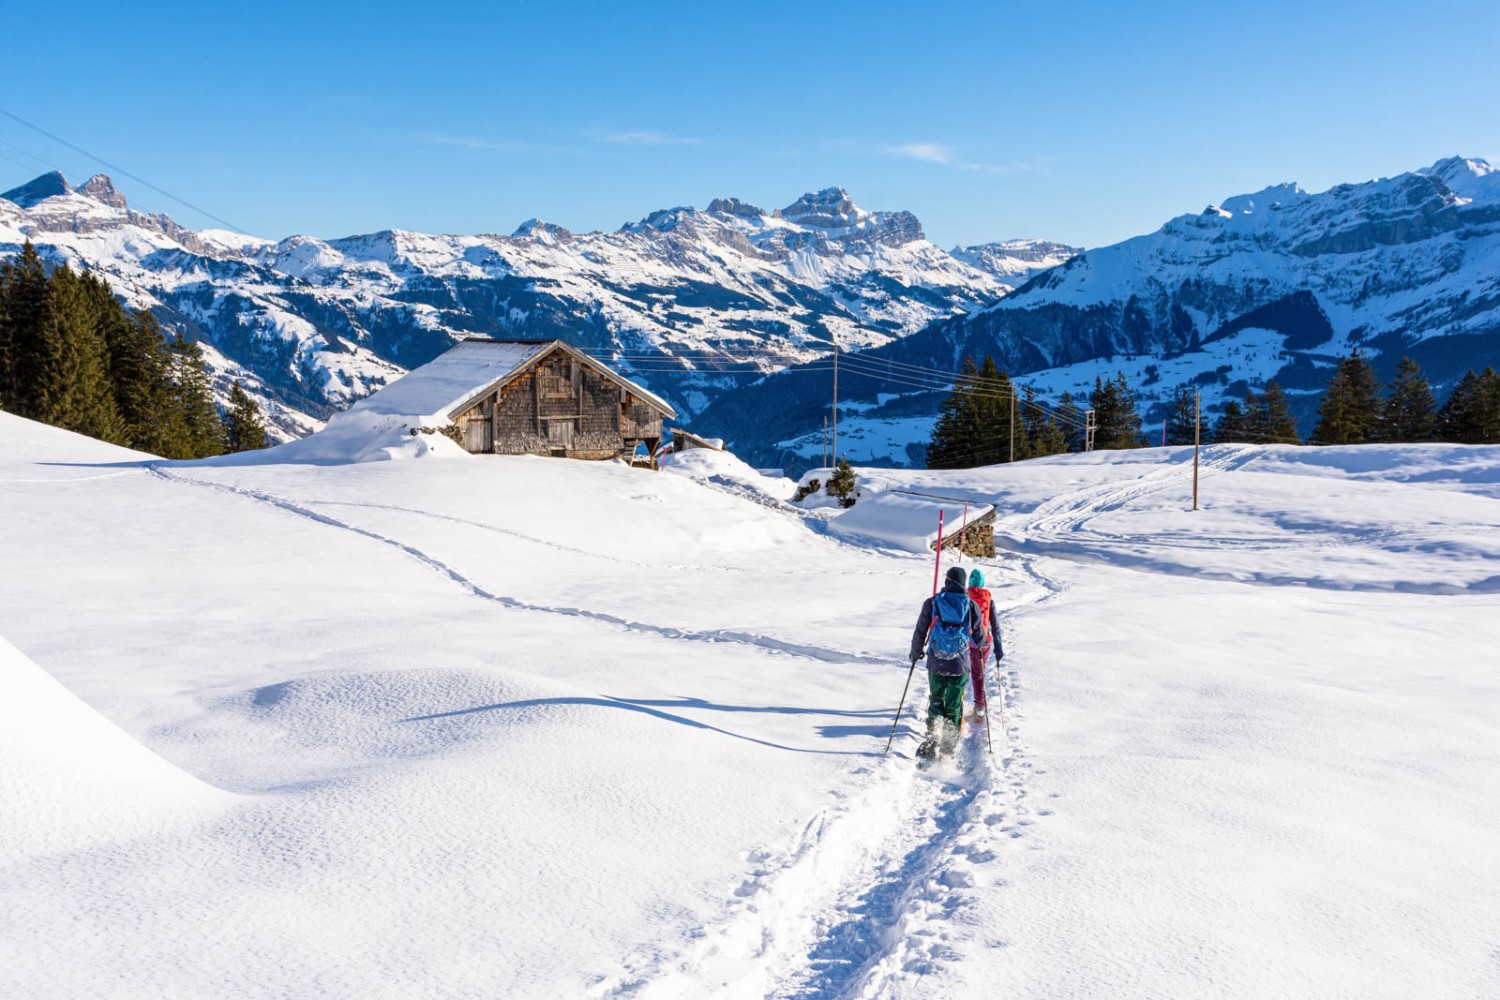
74	392
194	429
1118	421
244	431
957	432
28	310
1350	411
1043	435
1410	413
1072	420
1272	422
1182	417
1004	435
1472	413
1233	426
841	484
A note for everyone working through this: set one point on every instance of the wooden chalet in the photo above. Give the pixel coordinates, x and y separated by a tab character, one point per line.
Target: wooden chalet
532	397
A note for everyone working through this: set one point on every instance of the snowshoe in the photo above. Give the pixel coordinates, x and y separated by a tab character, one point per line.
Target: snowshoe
927	750
948	742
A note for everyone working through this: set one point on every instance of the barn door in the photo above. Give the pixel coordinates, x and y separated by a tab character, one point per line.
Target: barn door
560	433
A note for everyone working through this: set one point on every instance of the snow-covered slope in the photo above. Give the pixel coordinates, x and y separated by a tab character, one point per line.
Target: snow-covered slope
1275	284
535	728
679	296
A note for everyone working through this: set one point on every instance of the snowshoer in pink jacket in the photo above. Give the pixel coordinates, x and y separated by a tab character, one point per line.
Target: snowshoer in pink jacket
984	602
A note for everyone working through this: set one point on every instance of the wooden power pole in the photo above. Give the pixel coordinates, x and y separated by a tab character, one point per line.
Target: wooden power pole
835	399
1197	422
1013	423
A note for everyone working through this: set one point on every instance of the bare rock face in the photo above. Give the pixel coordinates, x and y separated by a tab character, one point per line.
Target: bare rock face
100	188
830	208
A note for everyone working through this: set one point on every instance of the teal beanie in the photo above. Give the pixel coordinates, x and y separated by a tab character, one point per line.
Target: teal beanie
976	579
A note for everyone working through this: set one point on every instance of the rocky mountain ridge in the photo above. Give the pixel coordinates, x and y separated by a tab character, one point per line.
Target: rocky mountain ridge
689	301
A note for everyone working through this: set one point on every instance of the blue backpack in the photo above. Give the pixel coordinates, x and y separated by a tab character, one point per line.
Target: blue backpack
949	639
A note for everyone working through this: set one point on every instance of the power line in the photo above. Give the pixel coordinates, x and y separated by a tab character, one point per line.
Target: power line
119	170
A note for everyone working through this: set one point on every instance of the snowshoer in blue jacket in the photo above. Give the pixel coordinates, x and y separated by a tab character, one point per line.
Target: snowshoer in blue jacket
947	629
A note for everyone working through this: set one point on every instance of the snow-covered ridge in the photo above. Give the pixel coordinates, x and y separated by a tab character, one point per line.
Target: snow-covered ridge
313	324
1274	284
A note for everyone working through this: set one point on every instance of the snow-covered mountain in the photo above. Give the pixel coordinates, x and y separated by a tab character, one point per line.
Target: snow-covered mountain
682	296
1275	284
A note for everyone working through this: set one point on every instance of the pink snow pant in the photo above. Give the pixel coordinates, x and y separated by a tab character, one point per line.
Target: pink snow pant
977	656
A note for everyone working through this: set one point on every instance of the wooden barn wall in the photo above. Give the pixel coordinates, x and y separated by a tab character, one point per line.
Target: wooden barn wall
559	404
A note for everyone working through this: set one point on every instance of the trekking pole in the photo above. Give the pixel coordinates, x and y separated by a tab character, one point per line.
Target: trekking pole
913	669
984	678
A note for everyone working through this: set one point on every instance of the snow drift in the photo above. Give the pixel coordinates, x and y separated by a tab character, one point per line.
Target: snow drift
72	778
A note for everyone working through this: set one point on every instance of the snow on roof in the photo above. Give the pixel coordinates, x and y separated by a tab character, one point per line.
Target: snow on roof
905	520
465	369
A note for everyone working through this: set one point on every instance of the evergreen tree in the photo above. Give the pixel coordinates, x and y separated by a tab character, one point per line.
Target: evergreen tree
841	484
1472	413
74	392
1118	421
1351	408
1410	413
1004	437
957	432
194	429
28	310
1459	419
1233	426
1043	435
1271	419
243	429
1182	418
1070	417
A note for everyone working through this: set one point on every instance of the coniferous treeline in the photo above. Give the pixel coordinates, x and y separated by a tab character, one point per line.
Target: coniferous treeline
987	419
73	357
1354	410
974	426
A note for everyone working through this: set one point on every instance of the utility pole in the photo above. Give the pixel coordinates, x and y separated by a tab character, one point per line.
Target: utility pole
835	397
1197	421
1013	424
825	441
1090	425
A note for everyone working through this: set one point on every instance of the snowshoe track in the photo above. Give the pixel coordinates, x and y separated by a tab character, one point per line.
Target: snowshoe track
869	897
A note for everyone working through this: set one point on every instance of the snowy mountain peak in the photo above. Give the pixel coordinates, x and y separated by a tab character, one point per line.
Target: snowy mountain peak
1272	197
663	220
737	208
38	190
542	232
1474	179
830	208
100	188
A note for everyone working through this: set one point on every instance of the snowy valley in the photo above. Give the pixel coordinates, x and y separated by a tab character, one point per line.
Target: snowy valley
478	726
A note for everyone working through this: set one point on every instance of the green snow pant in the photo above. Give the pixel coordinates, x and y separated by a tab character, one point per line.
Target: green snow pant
947	698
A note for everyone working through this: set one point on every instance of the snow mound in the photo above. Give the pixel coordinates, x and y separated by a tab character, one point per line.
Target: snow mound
723	468
904	520
72	778
354	436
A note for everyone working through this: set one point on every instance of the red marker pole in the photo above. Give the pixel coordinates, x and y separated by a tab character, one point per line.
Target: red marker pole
937	563
939	560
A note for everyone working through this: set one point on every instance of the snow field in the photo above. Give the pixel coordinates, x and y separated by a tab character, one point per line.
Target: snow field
539	728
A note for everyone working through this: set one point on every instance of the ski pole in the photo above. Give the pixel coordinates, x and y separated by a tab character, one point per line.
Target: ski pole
913	669
899	708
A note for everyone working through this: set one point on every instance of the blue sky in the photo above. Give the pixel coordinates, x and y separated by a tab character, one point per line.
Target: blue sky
1080	122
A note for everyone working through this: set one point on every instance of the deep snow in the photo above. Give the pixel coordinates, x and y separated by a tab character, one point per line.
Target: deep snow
527	727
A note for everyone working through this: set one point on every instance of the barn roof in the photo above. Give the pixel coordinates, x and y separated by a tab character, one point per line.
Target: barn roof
473	367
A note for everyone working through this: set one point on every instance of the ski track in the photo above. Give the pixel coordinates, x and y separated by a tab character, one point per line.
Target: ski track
764	642
870	896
